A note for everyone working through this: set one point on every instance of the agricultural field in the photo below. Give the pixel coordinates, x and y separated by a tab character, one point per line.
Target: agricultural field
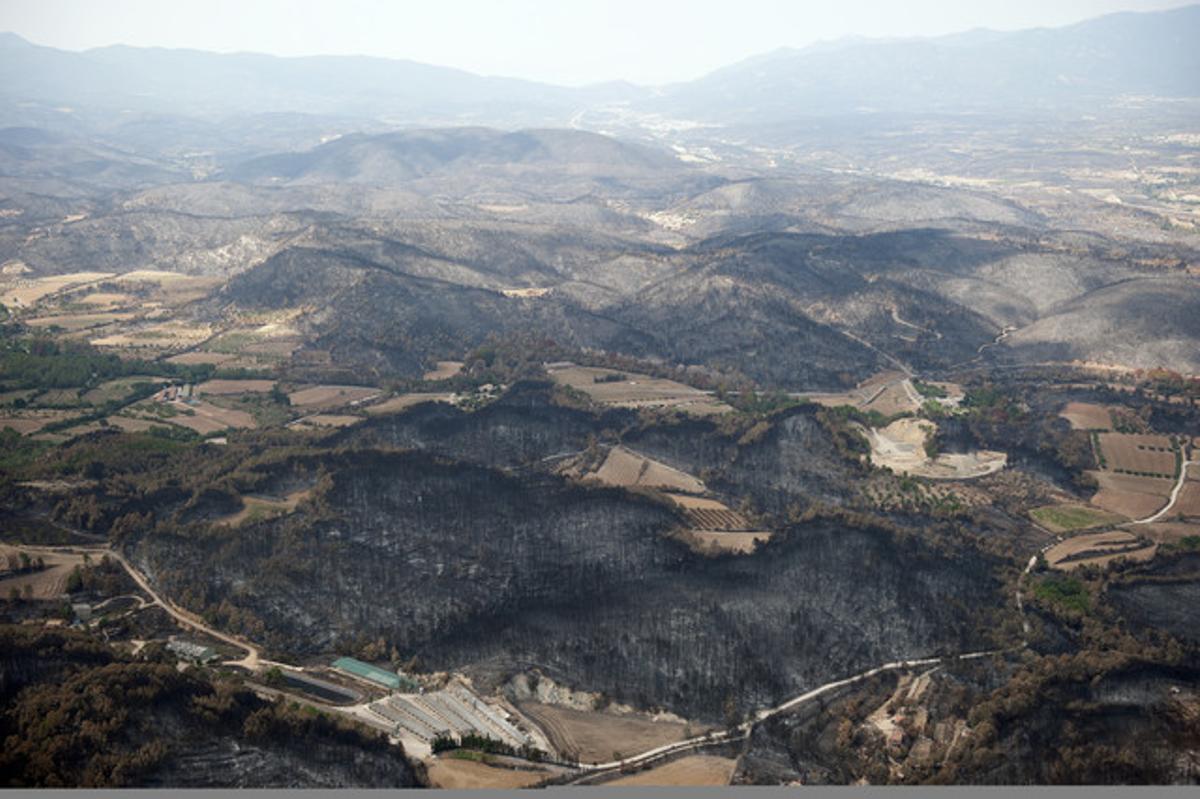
120	389
234	387
889	393
199	357
205	418
169	335
715	528
1098	549
444	370
1087	416
403	402
626	468
48	583
257	507
1068	518
598	737
1188	501
709	542
28	422
74	323
1140	455
1169	532
460	773
324	420
323	397
22	293
1134	497
630	390
710	514
698	770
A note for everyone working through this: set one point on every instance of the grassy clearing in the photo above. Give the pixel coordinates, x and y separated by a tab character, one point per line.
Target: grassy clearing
1066	518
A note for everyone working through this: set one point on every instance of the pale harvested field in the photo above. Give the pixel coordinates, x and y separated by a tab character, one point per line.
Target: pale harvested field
331	396
444	371
25	292
1169	532
209	418
533	292
26	422
106	298
47	584
327	420
637	390
710	542
626	468
258	507
232	387
693	770
131	425
1135	497
154	276
455	773
194	358
164	335
404	402
1188	501
596	736
711	514
1147	454
1087	416
75	322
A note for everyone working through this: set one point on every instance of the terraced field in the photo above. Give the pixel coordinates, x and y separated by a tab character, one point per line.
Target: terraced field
1098	548
631	390
626	468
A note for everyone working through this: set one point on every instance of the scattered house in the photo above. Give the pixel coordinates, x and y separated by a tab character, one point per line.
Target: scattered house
83	612
188	650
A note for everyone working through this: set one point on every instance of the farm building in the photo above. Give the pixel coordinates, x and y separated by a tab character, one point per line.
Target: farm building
191	651
356	668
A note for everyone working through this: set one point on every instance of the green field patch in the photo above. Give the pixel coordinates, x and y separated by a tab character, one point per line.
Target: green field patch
1067	518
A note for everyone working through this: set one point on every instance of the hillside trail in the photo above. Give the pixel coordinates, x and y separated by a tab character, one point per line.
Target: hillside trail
1183	477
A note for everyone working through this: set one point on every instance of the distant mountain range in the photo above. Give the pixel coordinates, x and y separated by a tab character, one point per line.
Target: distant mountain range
1086	66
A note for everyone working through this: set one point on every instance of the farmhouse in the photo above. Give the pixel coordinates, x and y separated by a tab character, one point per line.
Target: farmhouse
194	652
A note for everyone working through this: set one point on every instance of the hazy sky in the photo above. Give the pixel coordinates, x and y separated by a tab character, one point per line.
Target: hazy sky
559	41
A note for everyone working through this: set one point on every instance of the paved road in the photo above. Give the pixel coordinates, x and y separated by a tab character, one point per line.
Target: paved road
743	729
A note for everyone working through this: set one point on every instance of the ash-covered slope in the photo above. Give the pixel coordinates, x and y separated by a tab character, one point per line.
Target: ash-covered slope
469	567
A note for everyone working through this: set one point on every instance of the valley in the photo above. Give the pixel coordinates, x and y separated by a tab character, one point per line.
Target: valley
771	428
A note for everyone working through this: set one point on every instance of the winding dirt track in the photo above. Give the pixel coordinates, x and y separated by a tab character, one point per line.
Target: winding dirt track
1183	476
